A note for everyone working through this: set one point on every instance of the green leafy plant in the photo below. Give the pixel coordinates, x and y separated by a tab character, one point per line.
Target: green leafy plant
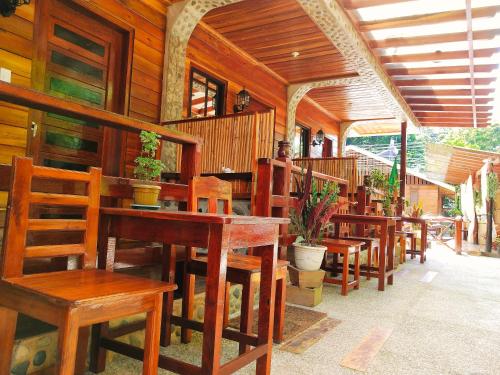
147	167
492	185
379	181
314	209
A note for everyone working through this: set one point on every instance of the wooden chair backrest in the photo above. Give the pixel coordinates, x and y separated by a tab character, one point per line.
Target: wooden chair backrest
212	189
22	198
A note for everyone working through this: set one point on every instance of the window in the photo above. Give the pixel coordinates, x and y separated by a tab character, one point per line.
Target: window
206	95
301	141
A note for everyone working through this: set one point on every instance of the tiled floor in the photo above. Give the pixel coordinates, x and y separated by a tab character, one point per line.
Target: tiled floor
447	325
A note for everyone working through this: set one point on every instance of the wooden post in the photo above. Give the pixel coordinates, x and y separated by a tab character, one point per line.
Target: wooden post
458	235
402	169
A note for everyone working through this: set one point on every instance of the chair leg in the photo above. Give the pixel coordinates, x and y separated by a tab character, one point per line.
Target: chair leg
167	275
279	310
370	255
227	304
152	337
188	297
8	321
345	273
81	353
67	345
356	269
246	317
97	353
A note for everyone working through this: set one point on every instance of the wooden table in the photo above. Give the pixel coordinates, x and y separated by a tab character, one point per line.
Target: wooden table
423	236
218	233
387	241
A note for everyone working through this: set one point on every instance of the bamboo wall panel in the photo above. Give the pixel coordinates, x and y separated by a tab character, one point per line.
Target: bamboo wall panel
345	168
234	142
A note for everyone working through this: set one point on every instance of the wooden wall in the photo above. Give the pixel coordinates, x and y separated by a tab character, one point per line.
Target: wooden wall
211	53
147	23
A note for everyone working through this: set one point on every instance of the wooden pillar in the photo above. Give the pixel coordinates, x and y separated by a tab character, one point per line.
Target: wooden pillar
402	169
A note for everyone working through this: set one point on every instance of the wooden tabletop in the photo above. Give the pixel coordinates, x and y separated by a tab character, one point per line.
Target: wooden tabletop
375	220
193	216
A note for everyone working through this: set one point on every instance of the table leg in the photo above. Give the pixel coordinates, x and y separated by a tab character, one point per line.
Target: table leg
423	242
167	275
269	256
214	299
382	257
345	272
390	252
356	269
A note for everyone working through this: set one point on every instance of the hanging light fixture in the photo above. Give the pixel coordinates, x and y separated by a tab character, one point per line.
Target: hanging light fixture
8	7
318	138
242	101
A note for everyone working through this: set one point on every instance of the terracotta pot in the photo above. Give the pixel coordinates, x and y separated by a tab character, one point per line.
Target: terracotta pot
146	195
309	258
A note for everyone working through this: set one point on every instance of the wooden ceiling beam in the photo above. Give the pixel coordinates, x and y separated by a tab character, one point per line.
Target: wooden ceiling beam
451	92
484	68
455	108
356	4
433	39
448	125
451	114
447	101
427	19
470	41
438	56
443	82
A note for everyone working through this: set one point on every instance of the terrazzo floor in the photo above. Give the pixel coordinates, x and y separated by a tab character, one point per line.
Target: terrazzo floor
445	324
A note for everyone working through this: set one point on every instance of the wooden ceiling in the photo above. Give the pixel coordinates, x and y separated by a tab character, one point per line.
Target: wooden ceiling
272	31
447	74
351	103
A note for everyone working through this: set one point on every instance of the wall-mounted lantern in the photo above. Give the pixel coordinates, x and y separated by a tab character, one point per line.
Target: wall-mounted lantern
8	7
318	138
242	101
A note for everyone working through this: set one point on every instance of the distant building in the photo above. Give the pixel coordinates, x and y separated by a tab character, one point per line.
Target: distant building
419	187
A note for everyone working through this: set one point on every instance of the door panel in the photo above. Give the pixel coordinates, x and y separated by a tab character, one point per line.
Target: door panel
84	62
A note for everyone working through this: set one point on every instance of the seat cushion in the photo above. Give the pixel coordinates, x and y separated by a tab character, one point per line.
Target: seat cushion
81	286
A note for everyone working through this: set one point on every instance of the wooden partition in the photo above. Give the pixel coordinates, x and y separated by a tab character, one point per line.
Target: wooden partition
275	192
344	168
234	141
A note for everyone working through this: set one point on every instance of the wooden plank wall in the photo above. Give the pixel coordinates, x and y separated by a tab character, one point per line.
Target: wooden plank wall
16	51
148	22
211	53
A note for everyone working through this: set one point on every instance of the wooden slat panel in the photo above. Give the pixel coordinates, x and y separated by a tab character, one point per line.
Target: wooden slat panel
54	250
56	224
62	174
59	199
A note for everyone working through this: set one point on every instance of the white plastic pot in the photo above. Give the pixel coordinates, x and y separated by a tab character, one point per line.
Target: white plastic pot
309	258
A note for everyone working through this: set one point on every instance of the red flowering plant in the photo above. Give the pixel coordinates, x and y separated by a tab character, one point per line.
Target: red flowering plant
314	209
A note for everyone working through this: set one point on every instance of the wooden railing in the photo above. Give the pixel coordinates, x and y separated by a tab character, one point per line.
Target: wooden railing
190	145
344	168
234	141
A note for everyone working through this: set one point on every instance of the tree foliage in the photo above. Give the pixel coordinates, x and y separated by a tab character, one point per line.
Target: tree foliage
486	139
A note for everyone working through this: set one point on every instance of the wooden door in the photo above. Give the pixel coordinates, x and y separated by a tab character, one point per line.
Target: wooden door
81	57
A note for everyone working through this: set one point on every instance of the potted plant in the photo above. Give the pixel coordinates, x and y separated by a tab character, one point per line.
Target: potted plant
311	218
148	170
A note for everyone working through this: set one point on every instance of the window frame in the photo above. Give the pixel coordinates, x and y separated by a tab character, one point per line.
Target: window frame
221	87
305	140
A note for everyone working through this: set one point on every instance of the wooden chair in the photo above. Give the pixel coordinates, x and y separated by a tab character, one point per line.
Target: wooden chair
71	300
241	269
